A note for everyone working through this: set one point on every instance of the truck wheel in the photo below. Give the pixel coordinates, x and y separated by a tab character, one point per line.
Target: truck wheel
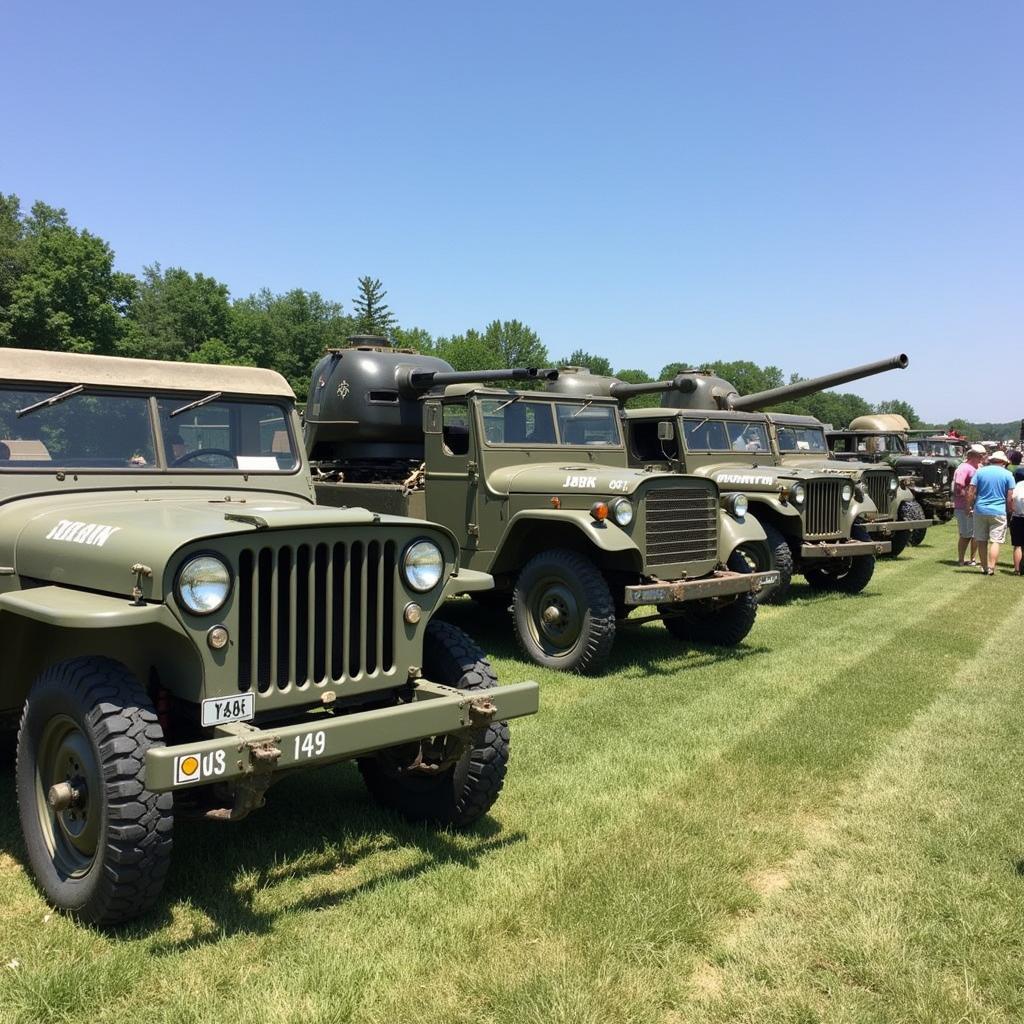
911	511
563	612
846	575
703	622
464	791
781	560
98	842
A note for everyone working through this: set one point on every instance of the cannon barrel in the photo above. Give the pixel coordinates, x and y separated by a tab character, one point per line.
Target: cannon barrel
414	381
802	388
623	390
579	382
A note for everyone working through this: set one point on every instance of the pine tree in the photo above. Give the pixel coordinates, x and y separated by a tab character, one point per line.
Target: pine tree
372	314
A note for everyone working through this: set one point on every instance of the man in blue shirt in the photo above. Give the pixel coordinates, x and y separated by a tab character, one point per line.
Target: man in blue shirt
990	497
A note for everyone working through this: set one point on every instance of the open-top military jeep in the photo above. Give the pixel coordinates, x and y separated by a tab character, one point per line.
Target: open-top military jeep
181	624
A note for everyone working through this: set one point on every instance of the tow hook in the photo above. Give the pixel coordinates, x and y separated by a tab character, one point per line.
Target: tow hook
481	712
250	789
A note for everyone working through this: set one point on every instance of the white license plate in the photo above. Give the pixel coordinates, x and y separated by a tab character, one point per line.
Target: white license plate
657	595
220	710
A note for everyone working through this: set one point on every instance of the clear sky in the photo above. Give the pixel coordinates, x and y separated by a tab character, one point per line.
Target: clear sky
811	184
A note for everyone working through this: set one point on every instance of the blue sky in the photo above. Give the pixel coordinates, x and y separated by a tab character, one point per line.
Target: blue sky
811	184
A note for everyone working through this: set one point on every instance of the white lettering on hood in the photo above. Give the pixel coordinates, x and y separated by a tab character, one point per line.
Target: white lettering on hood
74	532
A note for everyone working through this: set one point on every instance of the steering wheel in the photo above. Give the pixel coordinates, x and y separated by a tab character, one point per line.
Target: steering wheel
199	453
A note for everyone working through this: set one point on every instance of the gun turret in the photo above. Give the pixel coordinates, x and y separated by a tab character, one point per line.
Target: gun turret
364	400
579	382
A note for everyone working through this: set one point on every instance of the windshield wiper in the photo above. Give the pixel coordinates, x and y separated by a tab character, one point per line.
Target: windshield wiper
505	405
52	400
196	404
586	405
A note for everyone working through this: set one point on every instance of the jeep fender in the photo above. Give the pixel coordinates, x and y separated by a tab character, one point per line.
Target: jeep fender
466	581
733	532
611	547
47	625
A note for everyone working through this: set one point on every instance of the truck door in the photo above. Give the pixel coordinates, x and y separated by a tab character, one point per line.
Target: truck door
453	473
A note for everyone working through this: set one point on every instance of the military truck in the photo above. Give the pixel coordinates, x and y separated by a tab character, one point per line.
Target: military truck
883	438
182	625
800	440
539	492
811	517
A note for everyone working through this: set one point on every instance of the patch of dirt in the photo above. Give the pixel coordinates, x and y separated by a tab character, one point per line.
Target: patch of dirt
707	981
769	881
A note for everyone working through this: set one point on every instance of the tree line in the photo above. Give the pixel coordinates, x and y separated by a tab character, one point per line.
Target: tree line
59	291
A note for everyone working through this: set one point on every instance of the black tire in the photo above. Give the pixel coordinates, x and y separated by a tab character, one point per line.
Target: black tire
703	622
911	511
782	561
461	793
104	859
569	586
845	575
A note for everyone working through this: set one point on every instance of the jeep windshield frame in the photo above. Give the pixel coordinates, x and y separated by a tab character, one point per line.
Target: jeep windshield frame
802	440
704	434
529	421
110	431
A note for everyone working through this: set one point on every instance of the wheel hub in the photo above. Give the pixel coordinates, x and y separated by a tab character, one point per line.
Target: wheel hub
558	617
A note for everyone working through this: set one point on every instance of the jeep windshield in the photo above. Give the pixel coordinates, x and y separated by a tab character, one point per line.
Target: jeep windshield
802	439
56	428
714	435
522	421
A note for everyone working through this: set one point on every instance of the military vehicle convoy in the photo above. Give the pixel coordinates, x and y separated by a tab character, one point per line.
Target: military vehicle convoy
811	517
883	438
539	492
182	625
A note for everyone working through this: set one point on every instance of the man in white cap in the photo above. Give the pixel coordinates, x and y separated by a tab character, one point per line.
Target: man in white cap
964	520
990	498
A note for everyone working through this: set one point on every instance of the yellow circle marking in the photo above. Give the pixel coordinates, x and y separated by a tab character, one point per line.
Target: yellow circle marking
190	766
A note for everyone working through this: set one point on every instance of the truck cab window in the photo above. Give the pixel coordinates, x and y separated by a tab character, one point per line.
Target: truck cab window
455	428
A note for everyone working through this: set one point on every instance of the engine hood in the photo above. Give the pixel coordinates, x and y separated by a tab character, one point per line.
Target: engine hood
92	541
731	477
569	478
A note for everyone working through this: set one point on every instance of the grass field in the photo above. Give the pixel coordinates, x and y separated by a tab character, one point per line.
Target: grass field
825	825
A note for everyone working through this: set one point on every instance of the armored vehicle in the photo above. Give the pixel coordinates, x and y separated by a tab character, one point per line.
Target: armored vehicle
182	624
811	517
883	438
539	492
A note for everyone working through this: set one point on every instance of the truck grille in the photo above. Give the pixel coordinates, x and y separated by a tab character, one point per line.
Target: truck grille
682	526
877	485
315	613
824	507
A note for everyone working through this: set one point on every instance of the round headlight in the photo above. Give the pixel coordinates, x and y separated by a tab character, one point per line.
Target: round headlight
204	583
622	511
796	494
893	483
422	565
847	492
738	505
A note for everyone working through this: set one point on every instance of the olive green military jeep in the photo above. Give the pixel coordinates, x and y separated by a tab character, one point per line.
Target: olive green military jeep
181	624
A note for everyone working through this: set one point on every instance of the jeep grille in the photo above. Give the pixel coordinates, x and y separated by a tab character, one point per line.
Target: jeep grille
877	485
682	526
824	508
313	613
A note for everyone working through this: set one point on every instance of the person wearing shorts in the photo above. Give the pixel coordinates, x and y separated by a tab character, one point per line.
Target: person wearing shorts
1017	525
964	519
990	498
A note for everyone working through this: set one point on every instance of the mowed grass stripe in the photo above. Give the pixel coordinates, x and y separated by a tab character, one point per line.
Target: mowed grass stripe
907	901
640	815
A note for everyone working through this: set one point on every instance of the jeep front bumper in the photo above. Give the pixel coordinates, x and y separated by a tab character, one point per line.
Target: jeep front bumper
241	751
887	527
724	583
844	549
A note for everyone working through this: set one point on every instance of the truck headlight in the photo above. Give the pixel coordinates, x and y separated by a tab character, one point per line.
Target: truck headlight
622	511
737	505
203	584
893	484
422	565
797	494
847	493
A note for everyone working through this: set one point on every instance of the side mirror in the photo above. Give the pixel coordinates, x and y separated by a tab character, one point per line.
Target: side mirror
666	431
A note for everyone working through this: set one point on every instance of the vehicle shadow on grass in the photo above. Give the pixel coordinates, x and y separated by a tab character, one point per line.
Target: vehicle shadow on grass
319	829
654	651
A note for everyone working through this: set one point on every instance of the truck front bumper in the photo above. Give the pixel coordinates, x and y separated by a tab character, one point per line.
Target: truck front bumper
824	549
724	583
241	751
887	527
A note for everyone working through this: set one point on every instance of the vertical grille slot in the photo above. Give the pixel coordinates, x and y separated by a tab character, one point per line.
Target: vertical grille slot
682	526
877	485
824	507
310	614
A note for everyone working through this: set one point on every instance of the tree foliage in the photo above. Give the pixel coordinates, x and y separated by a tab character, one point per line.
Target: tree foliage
370	311
596	364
